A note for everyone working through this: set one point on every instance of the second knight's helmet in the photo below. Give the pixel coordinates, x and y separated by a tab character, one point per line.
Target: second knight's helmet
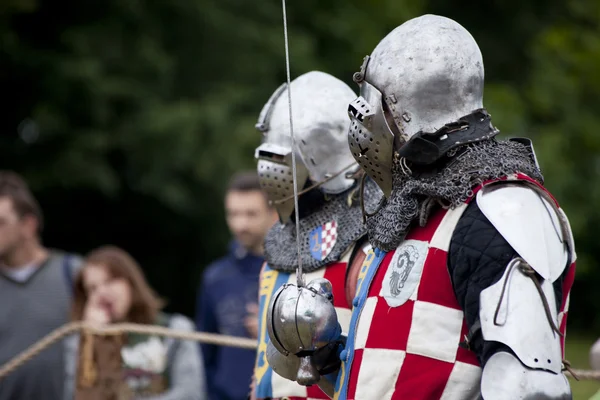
320	123
425	74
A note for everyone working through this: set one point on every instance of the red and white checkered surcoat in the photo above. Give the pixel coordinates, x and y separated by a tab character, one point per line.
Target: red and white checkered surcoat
411	350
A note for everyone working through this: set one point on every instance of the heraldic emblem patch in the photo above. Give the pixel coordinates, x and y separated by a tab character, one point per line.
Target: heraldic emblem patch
322	239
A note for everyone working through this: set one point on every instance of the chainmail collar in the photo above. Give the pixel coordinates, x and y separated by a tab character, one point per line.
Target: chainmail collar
415	195
326	234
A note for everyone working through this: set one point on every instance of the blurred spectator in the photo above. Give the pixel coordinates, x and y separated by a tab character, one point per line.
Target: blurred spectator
227	299
36	289
111	288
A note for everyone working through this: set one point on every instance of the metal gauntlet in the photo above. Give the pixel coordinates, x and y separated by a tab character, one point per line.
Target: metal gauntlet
304	332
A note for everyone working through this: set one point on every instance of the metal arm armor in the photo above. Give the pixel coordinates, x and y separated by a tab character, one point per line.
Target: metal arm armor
531	222
520	310
326	360
304	332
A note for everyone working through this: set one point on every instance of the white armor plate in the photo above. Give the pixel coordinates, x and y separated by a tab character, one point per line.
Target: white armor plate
504	377
530	224
521	322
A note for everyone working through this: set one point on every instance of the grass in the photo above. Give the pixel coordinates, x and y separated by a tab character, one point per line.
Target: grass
577	352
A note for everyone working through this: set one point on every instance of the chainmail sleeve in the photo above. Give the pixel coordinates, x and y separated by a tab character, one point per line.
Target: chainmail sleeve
477	258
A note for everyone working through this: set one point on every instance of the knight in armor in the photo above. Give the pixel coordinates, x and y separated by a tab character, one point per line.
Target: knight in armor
331	230
465	292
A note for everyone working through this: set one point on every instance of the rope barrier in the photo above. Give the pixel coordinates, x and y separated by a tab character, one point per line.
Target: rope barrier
115	329
210	338
584	375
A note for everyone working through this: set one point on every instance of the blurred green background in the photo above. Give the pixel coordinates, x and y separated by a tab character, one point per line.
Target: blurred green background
128	116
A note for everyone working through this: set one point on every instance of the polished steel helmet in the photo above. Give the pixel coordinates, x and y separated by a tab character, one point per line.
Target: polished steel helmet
320	120
426	73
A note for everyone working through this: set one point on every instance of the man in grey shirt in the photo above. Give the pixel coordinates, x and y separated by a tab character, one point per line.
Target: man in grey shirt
35	293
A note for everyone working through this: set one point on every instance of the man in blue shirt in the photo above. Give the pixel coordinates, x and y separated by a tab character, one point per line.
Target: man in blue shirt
227	298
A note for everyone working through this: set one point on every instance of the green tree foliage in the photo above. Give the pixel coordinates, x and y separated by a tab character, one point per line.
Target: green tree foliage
129	116
563	95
